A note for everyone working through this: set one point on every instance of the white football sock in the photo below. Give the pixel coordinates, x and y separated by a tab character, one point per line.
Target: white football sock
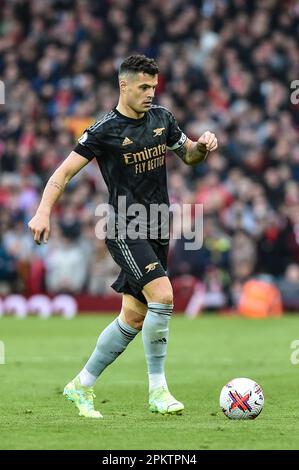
156	381
86	378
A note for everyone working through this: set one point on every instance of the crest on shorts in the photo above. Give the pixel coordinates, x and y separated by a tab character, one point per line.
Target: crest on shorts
151	267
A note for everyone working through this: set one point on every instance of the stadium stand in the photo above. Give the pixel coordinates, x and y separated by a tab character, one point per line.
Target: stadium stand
226	65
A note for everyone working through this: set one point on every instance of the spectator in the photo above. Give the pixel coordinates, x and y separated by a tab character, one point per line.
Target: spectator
289	287
8	271
66	268
103	271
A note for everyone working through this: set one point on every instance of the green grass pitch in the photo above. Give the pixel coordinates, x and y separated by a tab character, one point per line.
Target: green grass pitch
205	353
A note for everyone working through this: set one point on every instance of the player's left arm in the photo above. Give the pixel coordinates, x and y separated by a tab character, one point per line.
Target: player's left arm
193	153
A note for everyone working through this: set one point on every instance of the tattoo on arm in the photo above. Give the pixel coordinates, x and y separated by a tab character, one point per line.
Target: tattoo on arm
181	152
56	185
192	153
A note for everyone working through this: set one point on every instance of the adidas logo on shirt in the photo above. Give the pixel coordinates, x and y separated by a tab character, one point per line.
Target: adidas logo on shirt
127	141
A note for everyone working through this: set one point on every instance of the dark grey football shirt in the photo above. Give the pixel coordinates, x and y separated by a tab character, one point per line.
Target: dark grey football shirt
131	156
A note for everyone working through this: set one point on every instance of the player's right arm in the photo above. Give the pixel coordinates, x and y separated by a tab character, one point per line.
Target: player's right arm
39	225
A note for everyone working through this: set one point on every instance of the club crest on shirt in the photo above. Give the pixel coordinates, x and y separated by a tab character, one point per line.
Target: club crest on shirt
158	131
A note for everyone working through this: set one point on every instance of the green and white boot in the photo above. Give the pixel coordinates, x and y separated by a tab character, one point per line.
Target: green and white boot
82	397
161	401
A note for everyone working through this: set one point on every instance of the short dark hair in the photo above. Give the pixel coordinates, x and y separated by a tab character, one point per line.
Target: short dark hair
139	63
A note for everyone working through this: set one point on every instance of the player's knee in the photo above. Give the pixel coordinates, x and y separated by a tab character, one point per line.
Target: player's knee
161	296
132	318
137	323
160	292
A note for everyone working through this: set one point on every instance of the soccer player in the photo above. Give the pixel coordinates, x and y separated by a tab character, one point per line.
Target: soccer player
130	143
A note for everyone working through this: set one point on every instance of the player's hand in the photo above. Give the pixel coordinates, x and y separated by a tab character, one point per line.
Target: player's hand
209	140
39	226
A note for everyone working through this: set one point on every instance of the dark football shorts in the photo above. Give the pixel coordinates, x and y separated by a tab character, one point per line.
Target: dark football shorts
140	260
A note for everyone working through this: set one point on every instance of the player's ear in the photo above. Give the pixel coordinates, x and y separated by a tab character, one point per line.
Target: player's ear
123	85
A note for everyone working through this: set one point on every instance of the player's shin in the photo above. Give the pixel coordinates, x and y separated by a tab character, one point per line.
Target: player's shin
111	343
155	338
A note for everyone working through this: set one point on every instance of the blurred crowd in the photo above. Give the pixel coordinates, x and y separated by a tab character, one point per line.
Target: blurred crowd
225	66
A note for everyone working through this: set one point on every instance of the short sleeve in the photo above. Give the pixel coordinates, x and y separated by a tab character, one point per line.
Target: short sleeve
175	136
88	145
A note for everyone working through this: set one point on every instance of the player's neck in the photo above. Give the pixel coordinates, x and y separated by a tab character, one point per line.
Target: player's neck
128	112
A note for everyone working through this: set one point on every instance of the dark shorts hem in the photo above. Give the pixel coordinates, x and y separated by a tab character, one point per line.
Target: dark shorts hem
123	287
141	261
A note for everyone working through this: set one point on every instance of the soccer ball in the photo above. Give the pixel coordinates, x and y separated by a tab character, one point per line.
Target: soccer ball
241	399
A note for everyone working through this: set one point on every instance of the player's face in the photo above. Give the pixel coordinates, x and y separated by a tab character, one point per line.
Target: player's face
140	91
